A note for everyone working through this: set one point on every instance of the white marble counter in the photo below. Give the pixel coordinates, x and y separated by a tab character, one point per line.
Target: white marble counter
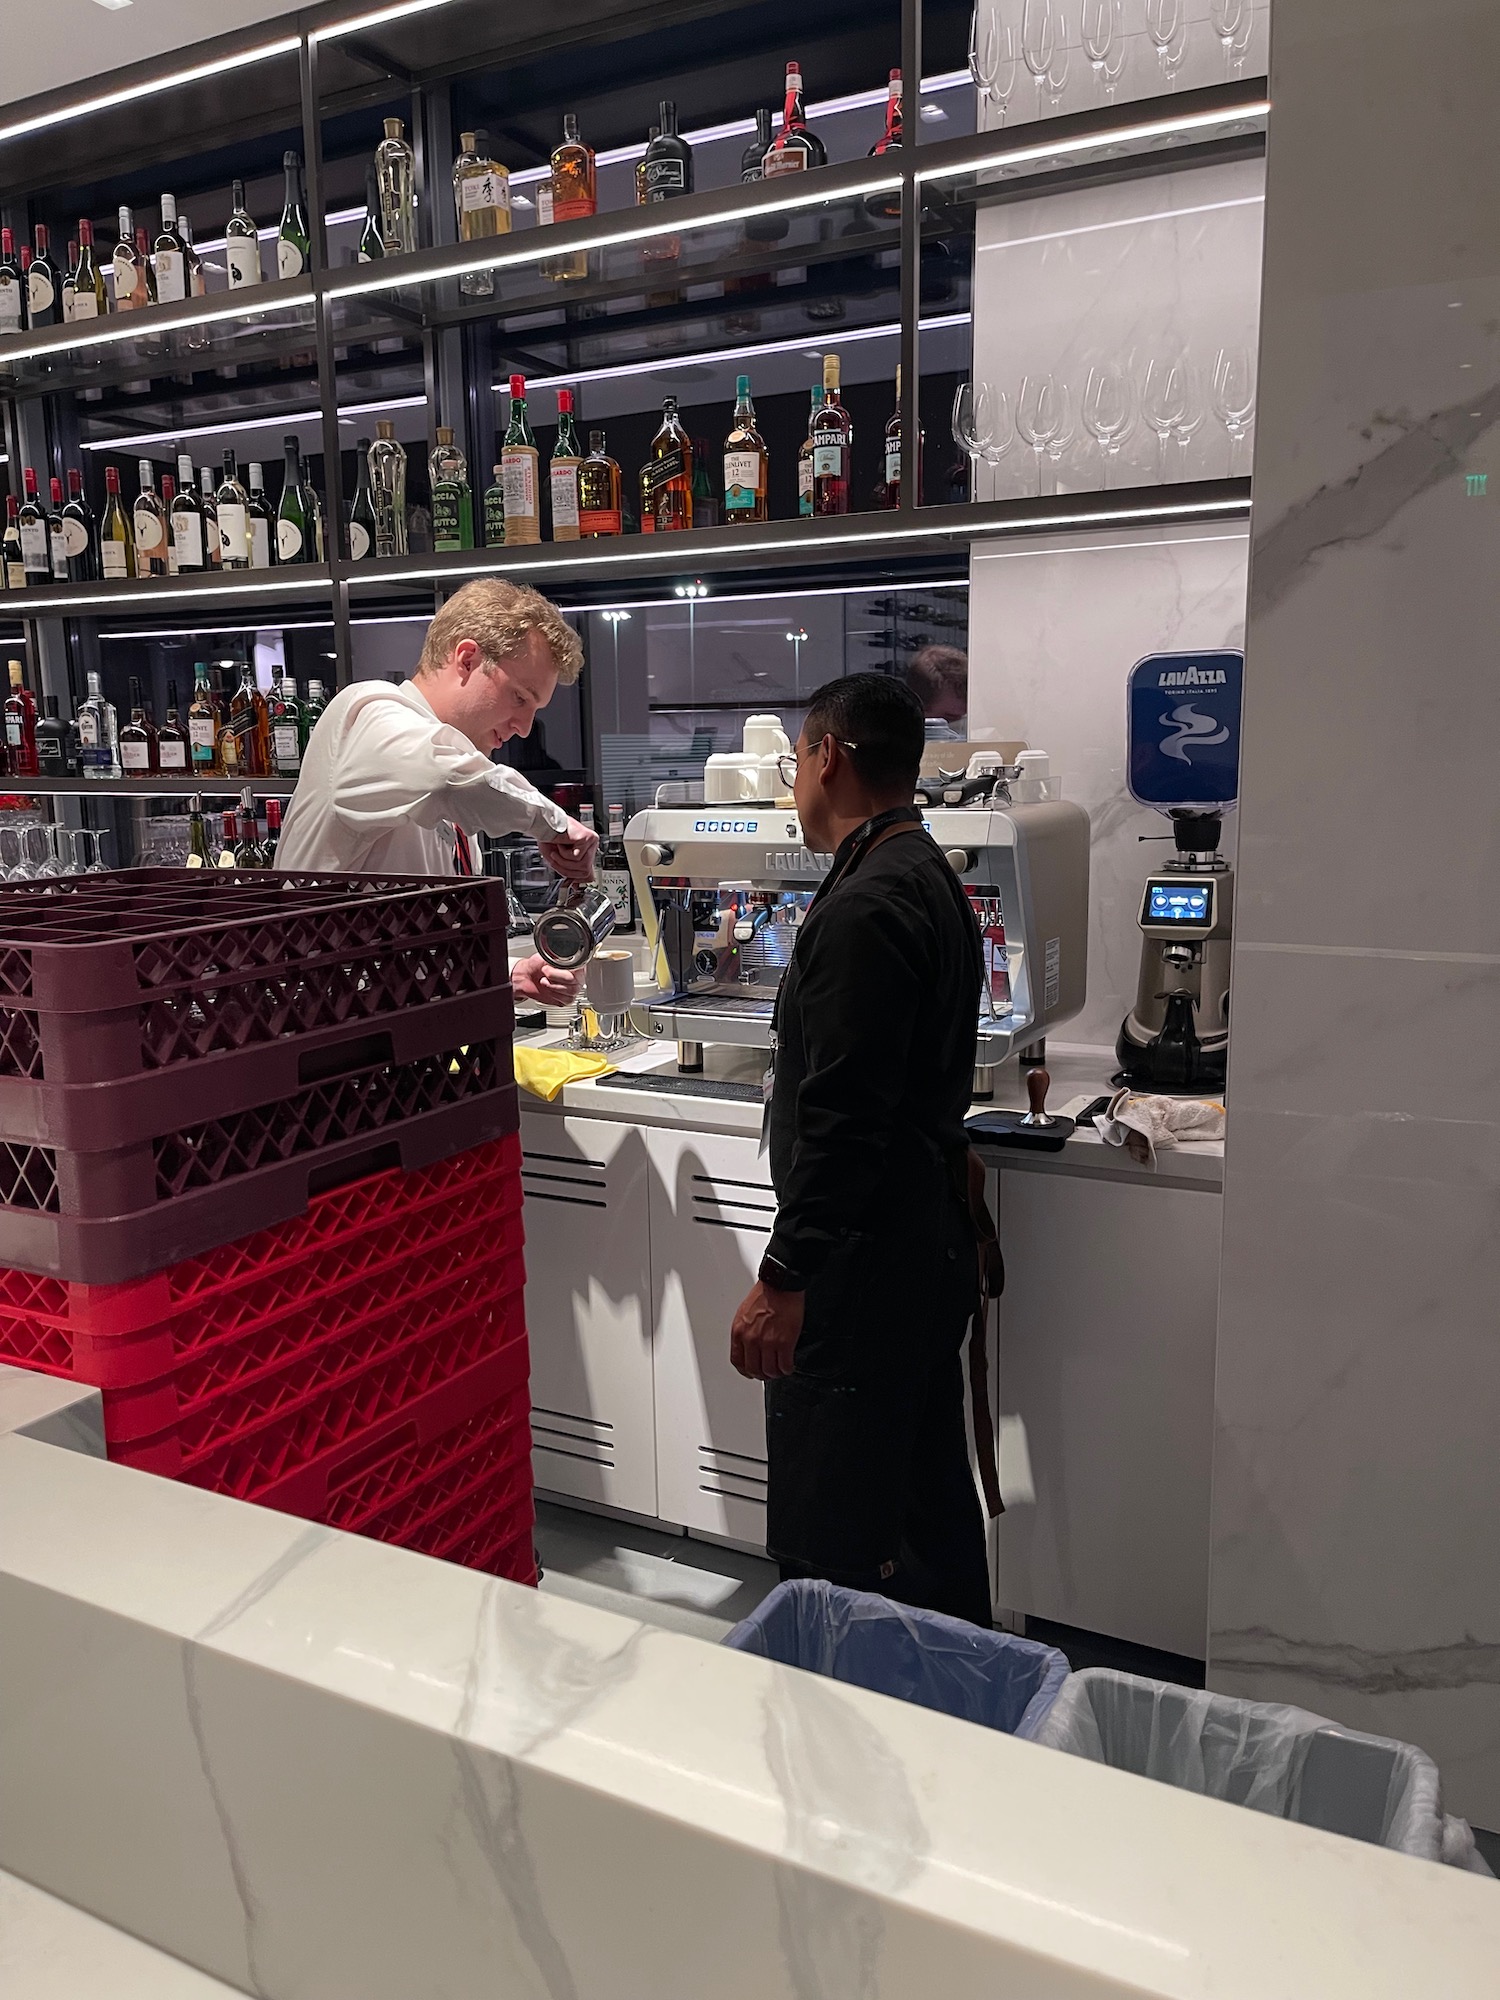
312	1765
51	1951
51	1409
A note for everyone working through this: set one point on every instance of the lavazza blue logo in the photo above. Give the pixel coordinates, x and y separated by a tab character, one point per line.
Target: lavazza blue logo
726	826
1183	727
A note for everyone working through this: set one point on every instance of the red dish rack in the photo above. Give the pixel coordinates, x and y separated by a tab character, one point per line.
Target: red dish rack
363	1364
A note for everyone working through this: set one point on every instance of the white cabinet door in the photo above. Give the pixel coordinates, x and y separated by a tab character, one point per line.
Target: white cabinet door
711	1214
588	1310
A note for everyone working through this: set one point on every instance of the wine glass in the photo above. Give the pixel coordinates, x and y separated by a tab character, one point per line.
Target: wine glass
993	58
1191	414
1164	25
972	427
1002	436
1162	404
1099	30
1039	39
1044	412
37	846
12	861
1057	69
1233	23
1234	396
1108	411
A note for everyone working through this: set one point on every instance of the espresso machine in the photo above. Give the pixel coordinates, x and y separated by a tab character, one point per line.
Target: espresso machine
723	888
1183	721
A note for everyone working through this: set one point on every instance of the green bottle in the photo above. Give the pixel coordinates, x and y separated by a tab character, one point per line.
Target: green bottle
294	523
452	502
494	513
293	241
312	708
287	732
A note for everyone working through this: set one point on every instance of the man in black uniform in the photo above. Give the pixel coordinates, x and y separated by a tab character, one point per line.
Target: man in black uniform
857	1320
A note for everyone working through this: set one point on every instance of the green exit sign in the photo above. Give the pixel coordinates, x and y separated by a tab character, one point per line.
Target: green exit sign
1476	484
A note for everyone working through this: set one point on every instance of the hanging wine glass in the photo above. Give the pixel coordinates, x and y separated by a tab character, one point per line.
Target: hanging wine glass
1039	39
1057	69
1108	411
1099	32
1234	397
1164	25
1004	70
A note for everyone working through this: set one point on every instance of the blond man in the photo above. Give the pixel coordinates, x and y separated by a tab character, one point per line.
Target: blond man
397	778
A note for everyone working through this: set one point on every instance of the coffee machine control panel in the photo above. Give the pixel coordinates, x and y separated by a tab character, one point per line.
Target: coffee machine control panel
1179	906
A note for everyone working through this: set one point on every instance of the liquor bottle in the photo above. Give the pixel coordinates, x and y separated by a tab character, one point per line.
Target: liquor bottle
705	498
653	133
388	490
562	472
148	523
494	510
129	272
273	830
518	471
172	740
69	269
395	175
248	852
286	729
293	242
670	473
200	855
36	543
72	745
614	871
643	494
98	733
294	523
232	503
203	723
15	567
452	501
186	521
746	466
241	243
796	147
137	738
598	492
244	744
886	205
760	229
832	442
481	199
90	300
51	741
43	286
229	834
572	196
370	244
262	521
57	541
669	159
890	488
12	291
20	726
169	256
805	456
362	512
210	508
78	527
315	513
312	708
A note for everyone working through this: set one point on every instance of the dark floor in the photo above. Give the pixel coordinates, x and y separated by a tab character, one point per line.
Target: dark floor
1096	1649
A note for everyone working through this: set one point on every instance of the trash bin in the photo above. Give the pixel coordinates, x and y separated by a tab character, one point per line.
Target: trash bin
1271	1758
992	1678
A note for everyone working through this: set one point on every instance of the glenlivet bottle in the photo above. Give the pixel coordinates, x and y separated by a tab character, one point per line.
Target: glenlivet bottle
746	467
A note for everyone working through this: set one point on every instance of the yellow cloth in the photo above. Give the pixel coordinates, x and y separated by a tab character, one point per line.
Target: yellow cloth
544	1072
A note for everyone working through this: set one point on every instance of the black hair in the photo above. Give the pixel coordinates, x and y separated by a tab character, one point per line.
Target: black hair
882	718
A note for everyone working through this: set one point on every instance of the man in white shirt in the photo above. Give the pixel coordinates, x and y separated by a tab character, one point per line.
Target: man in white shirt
397	778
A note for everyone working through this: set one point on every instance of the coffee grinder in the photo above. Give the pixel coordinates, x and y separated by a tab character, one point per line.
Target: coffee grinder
1184	725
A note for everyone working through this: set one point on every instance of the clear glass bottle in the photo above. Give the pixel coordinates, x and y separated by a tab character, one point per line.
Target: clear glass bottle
210	507
388	489
148	524
572	196
137	738
90	300
598	492
129	271
362	509
187	521
371	245
395	176
262	521
481	200
169	256
452	501
233	504
98	733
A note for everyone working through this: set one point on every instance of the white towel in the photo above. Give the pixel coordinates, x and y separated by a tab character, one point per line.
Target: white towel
1142	1123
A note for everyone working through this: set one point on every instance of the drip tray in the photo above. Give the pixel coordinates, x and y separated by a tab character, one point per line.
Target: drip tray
689	1086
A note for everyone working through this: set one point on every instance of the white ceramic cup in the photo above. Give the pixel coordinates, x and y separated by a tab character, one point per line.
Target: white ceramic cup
609	982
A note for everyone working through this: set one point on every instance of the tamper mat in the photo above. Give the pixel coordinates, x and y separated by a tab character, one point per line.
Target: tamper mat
1033	1131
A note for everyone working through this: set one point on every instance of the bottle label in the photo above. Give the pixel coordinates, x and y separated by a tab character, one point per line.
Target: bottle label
575	209
804	484
201	737
288	540
13	731
828	461
171	275
35	553
662	471
187	538
10	300
150	532
893	465
172	753
518	477
39	292
447	521
85	305
234	533
599	521
784	160
243	255
75	536
286	748
59	553
289	259
615	882
484	191
135	756
741	479
129	291
664	178
88	729
544	203
359	540
112	560
564	480
260	543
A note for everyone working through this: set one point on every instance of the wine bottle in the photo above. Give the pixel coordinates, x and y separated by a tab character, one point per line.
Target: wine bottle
805	456
293	514
169	256
562	472
832	442
137	738
129	273
69	270
20	725
232	503
90	300
796	147
12	291
273	830
241	243
36	543
43	286
481	199
395	176
746	465
293	242
98	733
211	545
248	852
388	489
262	521
890	489
15	566
315	511
362	511
168	495
200	854
185	518
57	541
669	469
194	277
371	244
172	740
203	723
757	228
148	271
598	492
78	526
885	206
518	466
572	196
148	524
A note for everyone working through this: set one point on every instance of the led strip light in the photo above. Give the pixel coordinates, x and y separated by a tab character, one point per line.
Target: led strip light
111	332
131	93
1151	128
347	413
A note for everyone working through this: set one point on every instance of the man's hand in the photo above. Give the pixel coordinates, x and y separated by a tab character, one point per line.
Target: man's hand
763	1339
535	979
572	851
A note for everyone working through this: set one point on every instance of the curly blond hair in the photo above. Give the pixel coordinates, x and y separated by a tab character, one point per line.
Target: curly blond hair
497	615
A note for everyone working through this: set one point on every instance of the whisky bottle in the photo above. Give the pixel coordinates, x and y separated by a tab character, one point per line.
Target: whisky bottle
286	729
90	300
293	239
98	733
203	724
232	504
388	489
245	737
481	197
371	244
832	442
670	470
452	502
78	527
36	543
148	524
169	256
805	456
518	471
494	510
746	468
15	566
262	521
51	741
172	740
210	508
137	738
395	170
598	492
57	541
890	487
294	522
20	725
12	291
362	510
573	196
241	243
886	205
562	473
796	147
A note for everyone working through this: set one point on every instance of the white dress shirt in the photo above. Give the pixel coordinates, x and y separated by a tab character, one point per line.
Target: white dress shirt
384	783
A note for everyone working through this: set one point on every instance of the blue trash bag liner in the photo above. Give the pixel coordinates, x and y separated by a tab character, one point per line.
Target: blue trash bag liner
992	1678
1274	1759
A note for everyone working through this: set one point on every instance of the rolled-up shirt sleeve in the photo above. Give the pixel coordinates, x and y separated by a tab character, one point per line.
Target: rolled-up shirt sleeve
397	765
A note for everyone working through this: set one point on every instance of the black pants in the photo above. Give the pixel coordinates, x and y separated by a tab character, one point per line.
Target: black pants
869	1481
